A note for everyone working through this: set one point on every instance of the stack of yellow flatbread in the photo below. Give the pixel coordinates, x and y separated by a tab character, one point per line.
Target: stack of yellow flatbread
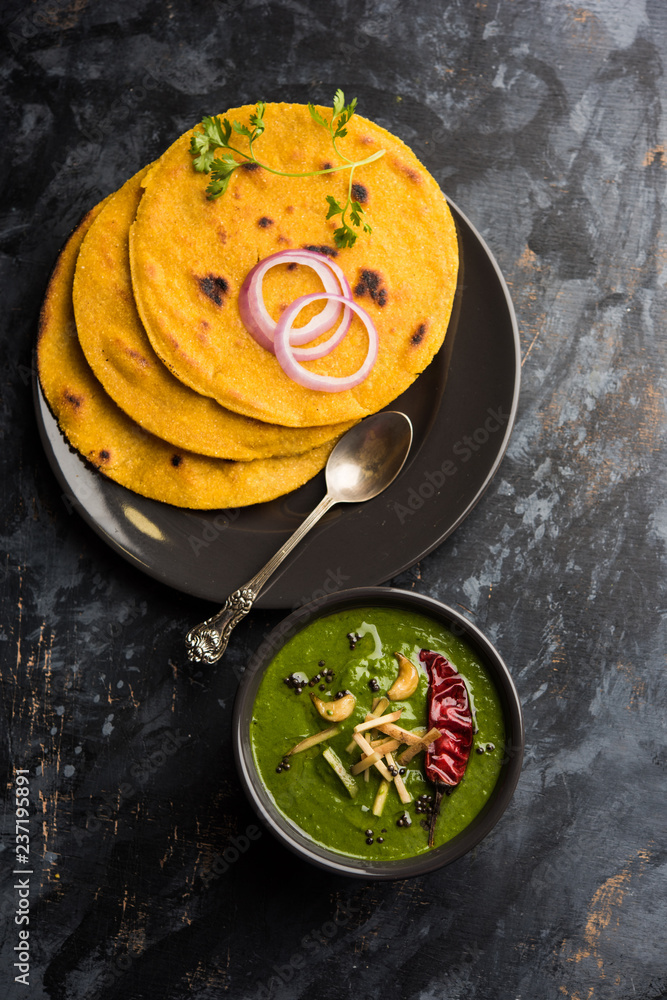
143	355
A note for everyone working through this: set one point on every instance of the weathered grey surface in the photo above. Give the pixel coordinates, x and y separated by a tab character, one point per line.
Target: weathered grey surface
544	121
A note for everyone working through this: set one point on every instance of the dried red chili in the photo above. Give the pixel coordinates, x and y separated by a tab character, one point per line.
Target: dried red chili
448	711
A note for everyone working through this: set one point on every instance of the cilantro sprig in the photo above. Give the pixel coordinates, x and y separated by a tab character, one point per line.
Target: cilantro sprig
345	236
216	134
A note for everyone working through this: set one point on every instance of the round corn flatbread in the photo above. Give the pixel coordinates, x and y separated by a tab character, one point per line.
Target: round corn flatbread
120	355
118	446
190	255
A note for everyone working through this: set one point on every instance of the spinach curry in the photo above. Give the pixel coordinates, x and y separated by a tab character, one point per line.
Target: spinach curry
307	687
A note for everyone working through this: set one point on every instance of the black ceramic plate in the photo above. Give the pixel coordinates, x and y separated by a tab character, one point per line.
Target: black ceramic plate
462	408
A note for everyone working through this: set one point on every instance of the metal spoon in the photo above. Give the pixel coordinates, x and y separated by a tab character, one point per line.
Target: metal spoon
364	462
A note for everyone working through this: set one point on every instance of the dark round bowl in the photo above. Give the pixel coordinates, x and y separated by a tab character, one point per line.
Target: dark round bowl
298	841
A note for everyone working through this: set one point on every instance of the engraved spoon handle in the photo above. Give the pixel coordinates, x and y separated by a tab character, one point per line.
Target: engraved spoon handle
207	642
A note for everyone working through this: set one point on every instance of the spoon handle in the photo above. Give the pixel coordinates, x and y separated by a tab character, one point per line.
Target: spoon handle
207	642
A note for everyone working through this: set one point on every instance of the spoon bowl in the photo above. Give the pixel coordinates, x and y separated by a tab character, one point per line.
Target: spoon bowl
369	457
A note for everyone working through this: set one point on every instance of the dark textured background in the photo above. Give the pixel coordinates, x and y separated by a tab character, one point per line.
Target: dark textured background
544	121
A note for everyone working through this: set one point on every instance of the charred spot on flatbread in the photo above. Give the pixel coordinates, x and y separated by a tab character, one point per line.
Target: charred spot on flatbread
321	248
419	334
215	287
360	193
104	456
176	460
72	399
409	171
372	283
137	356
264	222
250	166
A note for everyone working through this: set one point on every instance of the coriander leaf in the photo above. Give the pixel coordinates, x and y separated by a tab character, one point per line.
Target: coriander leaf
258	118
338	102
347	113
316	116
334	207
223	166
242	129
350	109
356	211
217	131
201	150
258	121
340	132
226	131
209	126
217	187
202	163
199	143
344	237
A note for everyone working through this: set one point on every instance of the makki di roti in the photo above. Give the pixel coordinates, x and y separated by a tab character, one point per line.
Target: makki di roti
119	447
120	355
190	255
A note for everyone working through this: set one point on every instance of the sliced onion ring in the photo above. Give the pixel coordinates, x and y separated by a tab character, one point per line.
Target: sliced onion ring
262	326
285	353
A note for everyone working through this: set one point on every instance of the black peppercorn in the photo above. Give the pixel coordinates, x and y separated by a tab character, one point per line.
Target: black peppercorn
353	639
